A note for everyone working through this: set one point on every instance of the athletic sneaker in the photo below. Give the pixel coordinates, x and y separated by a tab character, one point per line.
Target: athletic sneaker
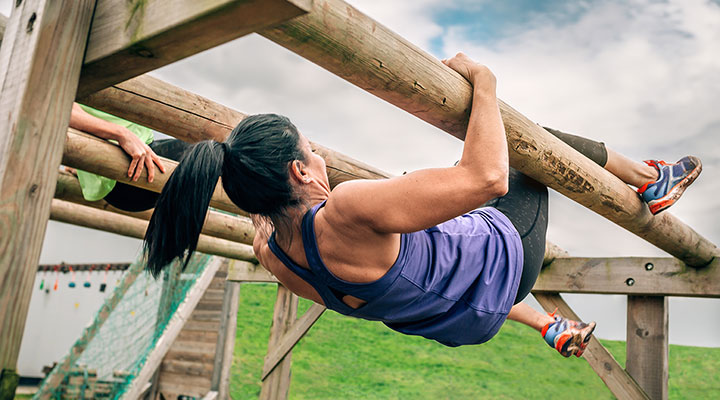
568	337
672	181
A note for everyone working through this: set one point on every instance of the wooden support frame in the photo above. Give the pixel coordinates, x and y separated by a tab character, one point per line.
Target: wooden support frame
130	38
226	341
89	217
351	45
42	50
177	321
620	383
647	344
629	275
277	384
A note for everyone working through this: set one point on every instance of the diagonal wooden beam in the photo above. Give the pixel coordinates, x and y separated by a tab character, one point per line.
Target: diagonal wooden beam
40	62
620	383
351	45
129	38
291	338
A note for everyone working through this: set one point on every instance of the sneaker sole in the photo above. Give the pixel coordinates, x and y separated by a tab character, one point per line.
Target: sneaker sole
656	206
576	344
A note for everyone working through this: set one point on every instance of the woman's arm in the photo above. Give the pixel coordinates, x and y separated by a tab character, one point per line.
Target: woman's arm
141	154
428	197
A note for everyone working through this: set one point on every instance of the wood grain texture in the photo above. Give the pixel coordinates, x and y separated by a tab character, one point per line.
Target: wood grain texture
620	383
41	53
629	275
175	325
277	384
88	217
217	224
243	271
229	345
647	344
341	39
291	338
129	38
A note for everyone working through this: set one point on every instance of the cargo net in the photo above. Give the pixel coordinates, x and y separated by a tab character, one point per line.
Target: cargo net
123	333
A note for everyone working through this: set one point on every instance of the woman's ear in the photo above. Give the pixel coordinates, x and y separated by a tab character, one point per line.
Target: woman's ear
298	172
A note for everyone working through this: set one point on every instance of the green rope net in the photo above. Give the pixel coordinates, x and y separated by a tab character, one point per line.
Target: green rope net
115	346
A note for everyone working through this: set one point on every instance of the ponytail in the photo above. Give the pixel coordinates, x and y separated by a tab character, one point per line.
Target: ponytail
180	211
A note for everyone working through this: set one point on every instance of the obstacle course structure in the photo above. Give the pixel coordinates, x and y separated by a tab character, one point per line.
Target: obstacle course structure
95	52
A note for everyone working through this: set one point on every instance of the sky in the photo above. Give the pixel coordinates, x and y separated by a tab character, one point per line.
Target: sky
640	76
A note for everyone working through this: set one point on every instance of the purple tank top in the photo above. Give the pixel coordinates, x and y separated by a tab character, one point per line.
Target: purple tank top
454	283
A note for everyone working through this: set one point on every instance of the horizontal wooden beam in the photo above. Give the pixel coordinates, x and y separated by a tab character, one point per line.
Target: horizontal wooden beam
92	154
129	38
217	224
620	383
71	213
647	276
353	46
241	271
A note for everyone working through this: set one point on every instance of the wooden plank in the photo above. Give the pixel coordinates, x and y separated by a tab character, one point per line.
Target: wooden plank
630	275
211	395
647	344
276	385
189	368
41	53
130	38
620	383
341	39
292	337
243	271
229	345
217	224
177	321
88	217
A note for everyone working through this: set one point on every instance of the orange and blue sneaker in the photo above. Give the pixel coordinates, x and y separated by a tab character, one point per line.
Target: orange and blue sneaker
672	181
568	337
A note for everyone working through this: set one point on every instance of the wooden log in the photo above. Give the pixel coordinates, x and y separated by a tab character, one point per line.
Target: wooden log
620	383
630	275
647	344
276	385
49	385
3	24
553	251
341	39
130	38
92	154
292	337
70	213
217	224
243	271
228	344
41	53
177	321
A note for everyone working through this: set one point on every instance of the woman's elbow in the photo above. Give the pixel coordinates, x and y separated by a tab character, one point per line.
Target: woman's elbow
498	185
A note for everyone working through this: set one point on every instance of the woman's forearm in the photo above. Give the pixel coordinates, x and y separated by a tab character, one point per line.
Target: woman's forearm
81	120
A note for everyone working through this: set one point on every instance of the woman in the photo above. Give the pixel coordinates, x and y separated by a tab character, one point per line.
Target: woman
415	251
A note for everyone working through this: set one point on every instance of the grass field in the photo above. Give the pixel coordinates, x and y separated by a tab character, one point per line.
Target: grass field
344	358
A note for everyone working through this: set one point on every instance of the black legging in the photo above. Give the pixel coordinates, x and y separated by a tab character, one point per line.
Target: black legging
526	206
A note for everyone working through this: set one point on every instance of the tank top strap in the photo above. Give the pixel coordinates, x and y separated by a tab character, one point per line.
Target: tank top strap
303	273
312	253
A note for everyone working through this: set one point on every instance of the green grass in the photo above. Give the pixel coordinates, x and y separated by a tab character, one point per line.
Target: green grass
344	358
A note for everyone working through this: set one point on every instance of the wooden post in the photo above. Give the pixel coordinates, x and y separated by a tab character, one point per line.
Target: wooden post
41	54
353	46
88	217
226	341
173	328
277	384
647	344
620	383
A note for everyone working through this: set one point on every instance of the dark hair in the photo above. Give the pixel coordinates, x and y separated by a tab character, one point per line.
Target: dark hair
253	163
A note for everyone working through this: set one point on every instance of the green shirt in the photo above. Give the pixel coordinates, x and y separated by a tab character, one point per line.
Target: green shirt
95	187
